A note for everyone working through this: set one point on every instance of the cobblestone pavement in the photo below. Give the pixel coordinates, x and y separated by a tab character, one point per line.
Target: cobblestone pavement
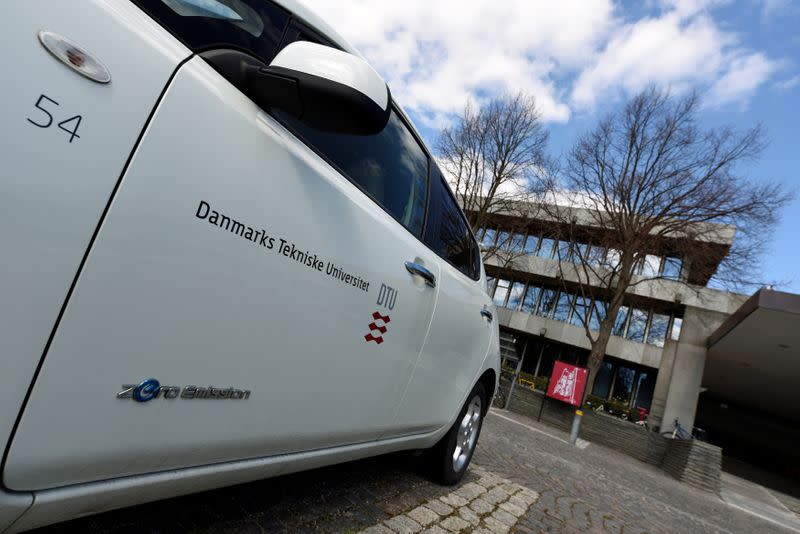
524	478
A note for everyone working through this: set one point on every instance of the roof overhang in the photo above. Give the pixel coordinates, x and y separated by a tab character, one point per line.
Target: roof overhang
754	357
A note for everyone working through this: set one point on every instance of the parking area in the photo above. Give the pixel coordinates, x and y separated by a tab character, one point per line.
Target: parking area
525	478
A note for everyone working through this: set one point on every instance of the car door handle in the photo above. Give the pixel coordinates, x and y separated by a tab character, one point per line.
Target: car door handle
486	313
419	270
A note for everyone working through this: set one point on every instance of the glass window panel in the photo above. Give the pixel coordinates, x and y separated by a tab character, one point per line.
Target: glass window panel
598	314
623	385
672	268
619	322
546	247
564	251
531	298
677	323
658	329
596	256
549	356
651	265
490	285
390	166
454	242
613	257
515	295
581	251
515	243
487	241
530	244
563	306
637	325
646	384
503	240
501	292
548	302
581	311
602	384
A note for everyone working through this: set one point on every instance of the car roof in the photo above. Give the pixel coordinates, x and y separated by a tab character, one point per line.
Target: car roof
308	16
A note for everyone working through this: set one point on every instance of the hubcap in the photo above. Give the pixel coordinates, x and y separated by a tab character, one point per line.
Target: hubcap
467	434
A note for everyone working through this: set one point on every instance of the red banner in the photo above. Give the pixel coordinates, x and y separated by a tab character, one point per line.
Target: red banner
567	383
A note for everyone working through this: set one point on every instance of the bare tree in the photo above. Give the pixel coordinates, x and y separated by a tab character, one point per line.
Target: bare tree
492	158
648	182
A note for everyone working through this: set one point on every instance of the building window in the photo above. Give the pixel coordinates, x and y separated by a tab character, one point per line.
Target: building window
580	315
637	325
503	240
531	298
649	266
501	292
623	384
658	329
531	244
597	256
548	302
563	306
546	247
516	242
490	285
488	238
672	268
602	384
613	257
564	251
620	321
645	385
677	323
515	295
599	309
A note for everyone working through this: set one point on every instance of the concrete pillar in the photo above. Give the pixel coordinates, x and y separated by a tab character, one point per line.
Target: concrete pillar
688	365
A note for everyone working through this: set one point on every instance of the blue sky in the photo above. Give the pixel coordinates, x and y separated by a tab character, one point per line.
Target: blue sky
580	58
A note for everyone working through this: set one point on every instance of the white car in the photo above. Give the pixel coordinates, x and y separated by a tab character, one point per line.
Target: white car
226	255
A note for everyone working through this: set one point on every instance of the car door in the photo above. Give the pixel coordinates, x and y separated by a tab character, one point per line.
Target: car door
248	295
462	326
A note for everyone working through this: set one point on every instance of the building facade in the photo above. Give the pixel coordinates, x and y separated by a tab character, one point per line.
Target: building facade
654	362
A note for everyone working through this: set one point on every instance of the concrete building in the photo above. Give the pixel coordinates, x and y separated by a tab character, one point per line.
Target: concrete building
675	340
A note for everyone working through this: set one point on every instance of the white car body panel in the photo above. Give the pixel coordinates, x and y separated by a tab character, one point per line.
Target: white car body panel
115	280
53	192
300	342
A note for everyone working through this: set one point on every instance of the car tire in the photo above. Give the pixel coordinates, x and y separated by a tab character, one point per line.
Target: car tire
450	457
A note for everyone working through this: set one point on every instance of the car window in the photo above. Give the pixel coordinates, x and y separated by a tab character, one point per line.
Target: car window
453	241
391	166
253	25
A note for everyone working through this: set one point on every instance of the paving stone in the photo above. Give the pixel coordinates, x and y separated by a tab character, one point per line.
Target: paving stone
439	507
423	515
435	529
469	516
516	500
378	529
495	526
495	495
480	506
470	490
403	525
512	509
453	500
454	524
504	517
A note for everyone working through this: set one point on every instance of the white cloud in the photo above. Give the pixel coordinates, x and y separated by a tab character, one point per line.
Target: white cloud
571	54
786	85
743	76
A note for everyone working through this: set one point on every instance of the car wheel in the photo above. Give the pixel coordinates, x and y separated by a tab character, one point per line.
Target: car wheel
450	457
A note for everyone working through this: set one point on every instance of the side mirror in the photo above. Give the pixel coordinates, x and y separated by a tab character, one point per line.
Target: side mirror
325	88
